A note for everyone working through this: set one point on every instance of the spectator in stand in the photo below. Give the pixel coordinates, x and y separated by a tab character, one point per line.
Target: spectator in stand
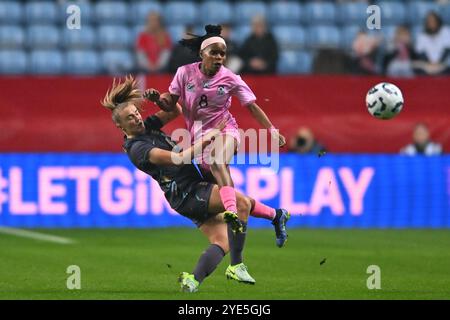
304	142
233	62
365	49
421	143
153	46
433	47
260	50
181	55
400	55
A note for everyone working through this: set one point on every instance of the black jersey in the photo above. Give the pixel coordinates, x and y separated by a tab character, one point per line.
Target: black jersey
175	181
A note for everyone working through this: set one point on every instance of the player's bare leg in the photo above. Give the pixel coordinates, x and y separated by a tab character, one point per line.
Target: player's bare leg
223	149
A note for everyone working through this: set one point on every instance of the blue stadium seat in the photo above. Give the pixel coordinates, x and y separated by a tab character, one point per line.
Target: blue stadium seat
46	62
117	62
320	13
386	33
240	33
13	62
11	12
135	31
283	13
114	37
86	12
216	12
417	10
180	12
289	37
245	11
111	12
415	31
392	12
176	32
140	10
82	62
199	29
353	13
84	38
42	37
12	37
323	37
41	12
294	62
446	13
348	34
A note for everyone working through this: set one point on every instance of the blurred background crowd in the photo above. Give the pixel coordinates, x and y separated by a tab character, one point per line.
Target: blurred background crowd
264	37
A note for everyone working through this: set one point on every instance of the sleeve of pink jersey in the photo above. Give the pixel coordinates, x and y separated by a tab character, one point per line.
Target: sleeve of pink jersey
243	92
177	83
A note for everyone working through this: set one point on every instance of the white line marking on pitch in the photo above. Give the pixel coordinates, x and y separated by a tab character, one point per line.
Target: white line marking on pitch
35	235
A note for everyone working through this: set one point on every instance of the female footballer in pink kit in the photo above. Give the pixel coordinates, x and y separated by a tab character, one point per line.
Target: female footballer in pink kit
205	89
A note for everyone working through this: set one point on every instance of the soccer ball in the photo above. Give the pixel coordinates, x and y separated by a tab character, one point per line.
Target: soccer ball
384	101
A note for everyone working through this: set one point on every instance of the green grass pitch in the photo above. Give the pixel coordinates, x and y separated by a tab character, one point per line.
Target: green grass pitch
145	263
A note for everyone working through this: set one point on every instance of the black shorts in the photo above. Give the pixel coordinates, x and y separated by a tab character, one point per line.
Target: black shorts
195	203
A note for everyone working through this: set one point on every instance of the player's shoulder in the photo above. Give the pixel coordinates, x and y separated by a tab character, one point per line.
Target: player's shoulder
132	144
188	67
227	73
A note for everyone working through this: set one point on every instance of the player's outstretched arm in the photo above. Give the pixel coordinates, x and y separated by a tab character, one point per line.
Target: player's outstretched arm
264	121
164	157
166	101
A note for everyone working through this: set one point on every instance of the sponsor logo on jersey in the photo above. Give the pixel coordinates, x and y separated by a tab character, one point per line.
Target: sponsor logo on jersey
190	87
221	90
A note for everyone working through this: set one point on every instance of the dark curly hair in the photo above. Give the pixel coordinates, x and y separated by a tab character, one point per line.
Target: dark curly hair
195	43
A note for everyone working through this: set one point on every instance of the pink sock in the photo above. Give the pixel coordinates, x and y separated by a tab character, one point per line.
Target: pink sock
262	211
228	197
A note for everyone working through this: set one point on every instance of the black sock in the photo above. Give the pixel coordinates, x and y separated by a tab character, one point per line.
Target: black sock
208	262
236	242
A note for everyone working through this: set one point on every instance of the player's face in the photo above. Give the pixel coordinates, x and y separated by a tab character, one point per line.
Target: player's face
213	57
131	120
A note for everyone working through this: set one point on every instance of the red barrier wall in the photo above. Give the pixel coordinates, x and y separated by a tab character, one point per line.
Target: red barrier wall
64	113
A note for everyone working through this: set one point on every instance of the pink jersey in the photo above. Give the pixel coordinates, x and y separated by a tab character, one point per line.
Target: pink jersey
206	100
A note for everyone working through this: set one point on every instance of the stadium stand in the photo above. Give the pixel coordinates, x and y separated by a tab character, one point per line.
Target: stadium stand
79	39
11	12
140	9
82	62
46	62
181	12
41	12
300	27
13	62
213	12
42	37
283	13
12	37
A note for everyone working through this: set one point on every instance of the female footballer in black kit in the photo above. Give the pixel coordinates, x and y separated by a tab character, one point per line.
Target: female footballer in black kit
154	153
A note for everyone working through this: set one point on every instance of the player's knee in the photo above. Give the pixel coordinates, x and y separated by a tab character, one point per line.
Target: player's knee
244	205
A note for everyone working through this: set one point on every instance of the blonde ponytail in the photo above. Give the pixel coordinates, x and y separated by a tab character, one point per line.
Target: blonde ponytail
122	94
